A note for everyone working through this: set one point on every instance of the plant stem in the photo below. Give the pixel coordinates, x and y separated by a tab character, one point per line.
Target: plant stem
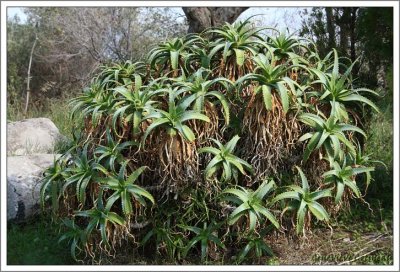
28	89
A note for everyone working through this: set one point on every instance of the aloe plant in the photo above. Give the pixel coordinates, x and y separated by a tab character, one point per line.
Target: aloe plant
112	152
99	218
164	238
173	119
203	91
94	102
344	176
120	74
322	65
285	46
171	52
83	171
338	90
86	102
363	160
304	200
251	203
126	190
205	236
225	159
328	133
235	40
270	77
75	235
257	245
52	180
198	55
132	106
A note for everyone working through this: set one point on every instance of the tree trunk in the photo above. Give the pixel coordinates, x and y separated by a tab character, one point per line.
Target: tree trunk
353	34
200	18
330	27
344	24
28	88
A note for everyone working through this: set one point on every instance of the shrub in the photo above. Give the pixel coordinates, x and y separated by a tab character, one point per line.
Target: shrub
202	141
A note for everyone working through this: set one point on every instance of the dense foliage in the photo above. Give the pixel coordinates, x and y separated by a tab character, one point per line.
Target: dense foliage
214	143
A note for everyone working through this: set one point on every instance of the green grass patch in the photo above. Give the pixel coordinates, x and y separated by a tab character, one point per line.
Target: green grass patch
380	136
36	243
380	144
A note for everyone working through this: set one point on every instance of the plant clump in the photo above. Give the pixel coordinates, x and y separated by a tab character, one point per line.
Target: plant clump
215	142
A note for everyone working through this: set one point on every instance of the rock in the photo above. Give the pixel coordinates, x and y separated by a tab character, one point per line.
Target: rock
32	136
24	175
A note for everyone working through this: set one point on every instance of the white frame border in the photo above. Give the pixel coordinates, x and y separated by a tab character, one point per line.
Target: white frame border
394	4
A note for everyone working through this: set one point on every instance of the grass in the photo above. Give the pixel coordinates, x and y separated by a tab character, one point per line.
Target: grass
36	243
380	144
362	217
380	134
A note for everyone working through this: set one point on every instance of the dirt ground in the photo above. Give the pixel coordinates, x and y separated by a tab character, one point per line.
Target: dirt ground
336	247
321	247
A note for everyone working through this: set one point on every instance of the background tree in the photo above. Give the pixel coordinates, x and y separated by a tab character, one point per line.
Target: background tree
200	18
354	31
73	42
19	38
374	31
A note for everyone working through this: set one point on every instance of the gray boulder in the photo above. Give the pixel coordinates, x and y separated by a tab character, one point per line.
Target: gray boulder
32	136
24	175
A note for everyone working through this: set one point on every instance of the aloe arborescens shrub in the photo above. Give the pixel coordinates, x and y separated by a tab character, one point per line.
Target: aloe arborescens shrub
200	148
